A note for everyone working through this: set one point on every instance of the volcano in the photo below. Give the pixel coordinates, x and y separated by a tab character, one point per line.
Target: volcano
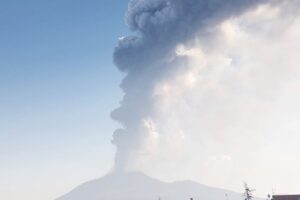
138	186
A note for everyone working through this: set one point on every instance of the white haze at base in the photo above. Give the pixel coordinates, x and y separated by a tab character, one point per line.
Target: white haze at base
232	112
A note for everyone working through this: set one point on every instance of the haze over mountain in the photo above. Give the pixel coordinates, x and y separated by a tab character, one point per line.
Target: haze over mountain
138	186
212	77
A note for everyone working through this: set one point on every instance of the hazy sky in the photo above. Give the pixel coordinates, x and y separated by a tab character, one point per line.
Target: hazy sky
220	106
212	92
57	89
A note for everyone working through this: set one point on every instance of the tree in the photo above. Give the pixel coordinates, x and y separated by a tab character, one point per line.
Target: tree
248	194
269	197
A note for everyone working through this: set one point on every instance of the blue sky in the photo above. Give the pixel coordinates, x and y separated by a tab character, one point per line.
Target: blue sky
57	88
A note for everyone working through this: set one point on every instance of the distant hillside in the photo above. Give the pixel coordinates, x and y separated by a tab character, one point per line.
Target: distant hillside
137	186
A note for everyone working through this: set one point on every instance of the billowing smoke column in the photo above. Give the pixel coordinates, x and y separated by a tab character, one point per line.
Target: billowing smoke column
160	26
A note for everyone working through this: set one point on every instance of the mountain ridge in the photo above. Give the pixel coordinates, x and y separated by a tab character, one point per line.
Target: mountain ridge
138	186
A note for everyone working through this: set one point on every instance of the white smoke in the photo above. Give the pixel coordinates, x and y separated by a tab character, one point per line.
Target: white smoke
211	92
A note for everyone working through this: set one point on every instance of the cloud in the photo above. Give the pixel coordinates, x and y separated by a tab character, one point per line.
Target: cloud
149	57
206	79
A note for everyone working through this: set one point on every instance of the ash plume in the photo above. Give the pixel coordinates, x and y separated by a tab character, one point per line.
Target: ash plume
150	56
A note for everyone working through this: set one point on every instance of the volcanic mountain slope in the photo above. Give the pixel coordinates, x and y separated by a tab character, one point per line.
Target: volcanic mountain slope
137	186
